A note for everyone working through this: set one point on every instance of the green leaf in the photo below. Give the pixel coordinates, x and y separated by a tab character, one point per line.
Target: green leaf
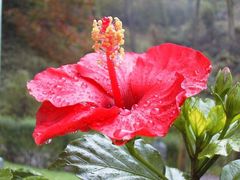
24	173
233	129
221	147
197	121
236	118
20	174
216	119
95	157
203	116
148	155
174	174
6	174
233	101
223	82
231	171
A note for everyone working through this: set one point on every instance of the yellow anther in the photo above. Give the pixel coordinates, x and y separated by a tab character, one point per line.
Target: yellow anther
118	24
121	52
108	36
99	23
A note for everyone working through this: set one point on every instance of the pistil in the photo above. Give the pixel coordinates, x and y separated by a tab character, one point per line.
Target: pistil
114	83
108	37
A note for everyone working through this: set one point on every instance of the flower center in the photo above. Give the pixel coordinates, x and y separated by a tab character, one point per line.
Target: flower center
108	36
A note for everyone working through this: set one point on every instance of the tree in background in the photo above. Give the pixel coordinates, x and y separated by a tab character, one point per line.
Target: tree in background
230	12
128	6
57	30
15	101
196	22
53	26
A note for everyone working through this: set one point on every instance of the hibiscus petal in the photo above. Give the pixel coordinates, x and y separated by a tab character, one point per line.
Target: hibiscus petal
160	63
56	121
64	86
152	116
94	66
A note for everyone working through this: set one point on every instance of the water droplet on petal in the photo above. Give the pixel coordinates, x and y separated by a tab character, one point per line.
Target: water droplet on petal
150	123
63	79
48	141
137	125
84	103
125	112
147	102
58	98
74	132
196	72
66	103
92	107
155	111
124	134
135	106
109	105
38	134
84	85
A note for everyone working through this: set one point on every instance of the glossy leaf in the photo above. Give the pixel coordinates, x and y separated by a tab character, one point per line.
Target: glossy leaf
174	174
216	119
231	171
221	147
95	157
147	154
233	128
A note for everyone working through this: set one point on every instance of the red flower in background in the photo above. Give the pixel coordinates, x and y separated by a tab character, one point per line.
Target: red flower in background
139	97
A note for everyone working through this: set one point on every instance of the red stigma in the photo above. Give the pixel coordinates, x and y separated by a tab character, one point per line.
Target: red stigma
105	23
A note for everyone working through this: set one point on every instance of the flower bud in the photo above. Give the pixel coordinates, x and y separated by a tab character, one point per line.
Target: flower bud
233	101
223	82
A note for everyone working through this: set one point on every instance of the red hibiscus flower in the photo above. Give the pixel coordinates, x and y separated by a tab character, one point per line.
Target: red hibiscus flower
121	96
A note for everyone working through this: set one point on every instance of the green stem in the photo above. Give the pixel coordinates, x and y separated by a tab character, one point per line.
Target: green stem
208	163
195	162
194	176
188	147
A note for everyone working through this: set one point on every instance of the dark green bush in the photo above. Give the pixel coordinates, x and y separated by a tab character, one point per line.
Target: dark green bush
17	145
15	100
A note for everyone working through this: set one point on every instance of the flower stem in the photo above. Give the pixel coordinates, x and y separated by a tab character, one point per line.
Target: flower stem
114	83
195	163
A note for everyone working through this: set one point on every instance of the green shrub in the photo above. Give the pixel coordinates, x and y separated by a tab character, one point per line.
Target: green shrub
15	100
17	145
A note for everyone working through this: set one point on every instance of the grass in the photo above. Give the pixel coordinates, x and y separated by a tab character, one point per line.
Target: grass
51	175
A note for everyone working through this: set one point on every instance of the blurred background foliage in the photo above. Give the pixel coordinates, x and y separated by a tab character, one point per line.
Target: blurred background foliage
39	34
